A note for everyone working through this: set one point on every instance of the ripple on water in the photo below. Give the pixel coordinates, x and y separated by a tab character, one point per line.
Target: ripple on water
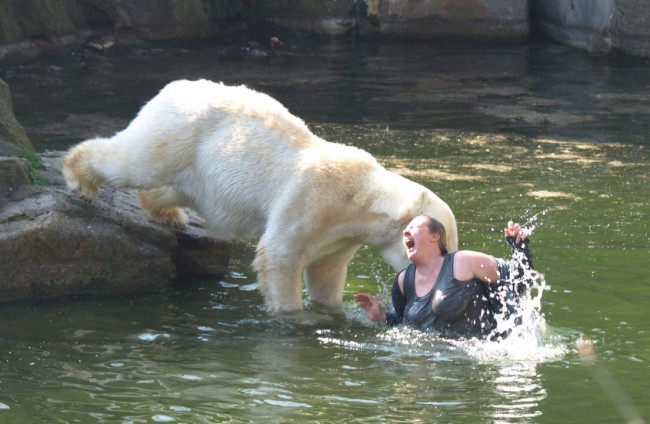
160	418
150	336
178	408
286	403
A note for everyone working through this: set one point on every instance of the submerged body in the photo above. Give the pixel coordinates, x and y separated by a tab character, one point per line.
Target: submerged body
451	307
254	170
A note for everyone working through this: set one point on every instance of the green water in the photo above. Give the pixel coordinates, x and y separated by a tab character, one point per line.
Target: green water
542	134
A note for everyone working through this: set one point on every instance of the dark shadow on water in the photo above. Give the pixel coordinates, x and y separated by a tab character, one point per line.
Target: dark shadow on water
538	90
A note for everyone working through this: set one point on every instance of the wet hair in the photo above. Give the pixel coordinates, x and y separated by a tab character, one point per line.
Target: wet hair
435	227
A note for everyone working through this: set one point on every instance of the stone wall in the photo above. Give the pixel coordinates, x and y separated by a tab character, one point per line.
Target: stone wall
630	27
461	20
28	26
596	26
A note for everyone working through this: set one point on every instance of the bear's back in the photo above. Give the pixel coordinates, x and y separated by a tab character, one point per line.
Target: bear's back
189	101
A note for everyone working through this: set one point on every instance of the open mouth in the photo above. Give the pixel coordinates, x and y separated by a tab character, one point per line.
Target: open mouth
410	244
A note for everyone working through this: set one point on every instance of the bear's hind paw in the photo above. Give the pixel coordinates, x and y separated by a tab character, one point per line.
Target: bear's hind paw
170	217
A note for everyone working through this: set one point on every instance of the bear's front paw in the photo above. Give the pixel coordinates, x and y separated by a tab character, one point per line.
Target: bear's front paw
87	192
79	175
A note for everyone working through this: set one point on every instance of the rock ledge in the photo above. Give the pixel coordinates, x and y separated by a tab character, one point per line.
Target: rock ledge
53	244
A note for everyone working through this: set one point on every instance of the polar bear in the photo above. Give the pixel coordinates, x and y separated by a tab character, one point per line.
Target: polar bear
252	169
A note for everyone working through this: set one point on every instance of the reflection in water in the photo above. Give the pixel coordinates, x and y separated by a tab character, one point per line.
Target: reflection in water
540	91
431	383
518	392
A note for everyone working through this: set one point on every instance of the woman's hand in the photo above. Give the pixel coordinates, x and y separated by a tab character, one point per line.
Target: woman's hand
515	236
516	233
371	307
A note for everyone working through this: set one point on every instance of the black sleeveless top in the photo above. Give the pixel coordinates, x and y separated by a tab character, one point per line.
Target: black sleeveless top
452	307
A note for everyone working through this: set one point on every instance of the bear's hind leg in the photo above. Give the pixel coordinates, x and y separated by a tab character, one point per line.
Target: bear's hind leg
325	278
162	205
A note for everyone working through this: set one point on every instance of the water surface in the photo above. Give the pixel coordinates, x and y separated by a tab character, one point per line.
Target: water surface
544	134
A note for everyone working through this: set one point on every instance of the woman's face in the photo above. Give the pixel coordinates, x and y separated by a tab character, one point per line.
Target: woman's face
417	238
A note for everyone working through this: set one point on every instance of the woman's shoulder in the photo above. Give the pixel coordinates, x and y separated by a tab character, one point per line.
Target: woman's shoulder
468	254
404	276
470	264
468	258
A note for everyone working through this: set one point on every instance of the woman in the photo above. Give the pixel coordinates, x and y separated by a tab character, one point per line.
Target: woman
457	294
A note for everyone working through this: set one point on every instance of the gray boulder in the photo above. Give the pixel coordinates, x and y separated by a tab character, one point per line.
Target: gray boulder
53	244
12	135
13	172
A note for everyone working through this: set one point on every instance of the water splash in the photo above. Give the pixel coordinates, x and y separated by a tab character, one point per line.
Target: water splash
528	342
528	339
523	321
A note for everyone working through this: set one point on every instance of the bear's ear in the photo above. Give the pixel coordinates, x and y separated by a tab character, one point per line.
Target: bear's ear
410	208
417	206
423	203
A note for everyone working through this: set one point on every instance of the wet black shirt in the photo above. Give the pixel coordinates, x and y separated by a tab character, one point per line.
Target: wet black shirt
452	307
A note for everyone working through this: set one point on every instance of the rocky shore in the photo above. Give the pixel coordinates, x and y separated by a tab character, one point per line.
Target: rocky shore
52	244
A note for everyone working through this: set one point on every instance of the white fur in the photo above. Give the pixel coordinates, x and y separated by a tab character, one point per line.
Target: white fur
252	169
